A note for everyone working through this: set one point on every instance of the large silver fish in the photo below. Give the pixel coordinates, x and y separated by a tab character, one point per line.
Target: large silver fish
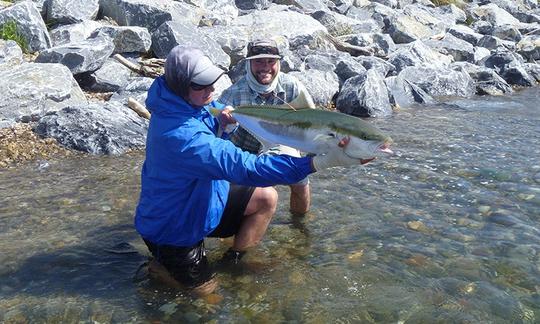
313	130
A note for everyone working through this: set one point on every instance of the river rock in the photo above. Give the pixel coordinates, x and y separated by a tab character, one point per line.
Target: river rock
70	11
465	33
406	29
379	13
10	53
459	49
494	15
382	66
417	54
99	129
126	39
322	85
83	56
137	88
339	25
348	67
381	43
110	77
440	82
487	81
365	96
404	93
73	33
529	47
170	34
507	32
288	24
30	90
30	24
510	67
142	13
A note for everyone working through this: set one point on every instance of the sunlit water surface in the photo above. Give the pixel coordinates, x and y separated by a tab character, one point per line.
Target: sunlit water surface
445	231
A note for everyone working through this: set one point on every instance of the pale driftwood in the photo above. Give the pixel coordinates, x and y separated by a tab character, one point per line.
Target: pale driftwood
138	108
152	68
132	66
351	49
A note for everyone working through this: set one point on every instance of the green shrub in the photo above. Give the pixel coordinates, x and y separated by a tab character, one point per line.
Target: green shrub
9	31
458	3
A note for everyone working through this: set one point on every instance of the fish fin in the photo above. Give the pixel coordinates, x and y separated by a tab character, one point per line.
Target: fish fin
322	138
303	100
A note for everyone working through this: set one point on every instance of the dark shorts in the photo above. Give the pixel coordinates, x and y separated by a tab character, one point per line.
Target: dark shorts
189	265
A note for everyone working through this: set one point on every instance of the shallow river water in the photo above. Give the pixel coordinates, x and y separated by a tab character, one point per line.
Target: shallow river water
446	231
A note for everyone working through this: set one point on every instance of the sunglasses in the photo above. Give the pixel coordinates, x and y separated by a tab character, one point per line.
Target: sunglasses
256	50
198	87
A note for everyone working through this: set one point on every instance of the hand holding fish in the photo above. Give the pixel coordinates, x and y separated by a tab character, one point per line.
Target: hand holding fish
226	120
337	157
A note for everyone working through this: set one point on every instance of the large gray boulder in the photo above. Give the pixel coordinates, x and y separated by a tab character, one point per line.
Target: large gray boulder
10	53
404	93
348	67
440	81
510	66
232	40
98	129
126	39
253	4
288	24
382	66
406	29
142	13
171	33
382	44
306	6
110	77
322	85
365	95
459	49
493	14
529	47
338	24
84	56
465	33
417	53
487	81
73	33
30	24
70	11
30	90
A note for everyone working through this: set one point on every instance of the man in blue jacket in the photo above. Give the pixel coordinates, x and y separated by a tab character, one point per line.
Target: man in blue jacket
195	184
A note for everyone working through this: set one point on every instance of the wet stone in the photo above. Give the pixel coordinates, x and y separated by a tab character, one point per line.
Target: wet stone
418	226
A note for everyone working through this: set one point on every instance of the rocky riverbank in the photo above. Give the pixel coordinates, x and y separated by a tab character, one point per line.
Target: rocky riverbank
364	57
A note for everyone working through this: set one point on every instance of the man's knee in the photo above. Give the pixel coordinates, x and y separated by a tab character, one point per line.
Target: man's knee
263	200
269	199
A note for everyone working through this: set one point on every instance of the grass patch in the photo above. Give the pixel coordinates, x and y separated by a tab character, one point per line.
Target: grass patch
457	3
9	31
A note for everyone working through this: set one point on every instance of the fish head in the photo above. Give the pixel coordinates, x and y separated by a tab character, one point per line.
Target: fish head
359	148
354	146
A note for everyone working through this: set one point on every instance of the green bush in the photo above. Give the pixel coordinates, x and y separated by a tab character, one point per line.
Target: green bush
458	3
9	31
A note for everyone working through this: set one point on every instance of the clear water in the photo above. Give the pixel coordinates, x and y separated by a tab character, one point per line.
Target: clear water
446	231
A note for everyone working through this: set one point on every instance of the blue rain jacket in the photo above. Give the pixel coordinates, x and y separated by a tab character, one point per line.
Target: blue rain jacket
186	175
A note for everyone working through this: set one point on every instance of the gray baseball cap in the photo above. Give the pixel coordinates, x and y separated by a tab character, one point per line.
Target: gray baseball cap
263	48
205	72
187	65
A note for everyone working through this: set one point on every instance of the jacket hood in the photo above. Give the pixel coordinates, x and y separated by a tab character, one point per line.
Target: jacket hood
162	100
